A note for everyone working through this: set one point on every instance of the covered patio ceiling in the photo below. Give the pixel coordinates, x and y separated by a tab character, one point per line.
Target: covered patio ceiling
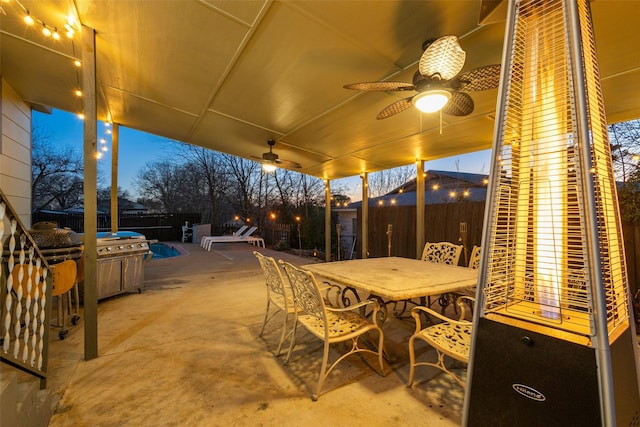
229	75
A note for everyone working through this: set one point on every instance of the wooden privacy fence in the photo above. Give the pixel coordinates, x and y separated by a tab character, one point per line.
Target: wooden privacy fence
632	251
442	223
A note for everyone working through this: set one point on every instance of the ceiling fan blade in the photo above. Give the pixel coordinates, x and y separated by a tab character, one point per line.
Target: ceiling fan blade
380	86
478	79
460	104
289	163
395	108
443	57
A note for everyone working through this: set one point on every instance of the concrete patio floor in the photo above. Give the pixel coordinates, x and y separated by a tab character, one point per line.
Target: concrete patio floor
186	351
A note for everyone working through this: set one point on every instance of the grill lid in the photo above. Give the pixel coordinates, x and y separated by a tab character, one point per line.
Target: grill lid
46	234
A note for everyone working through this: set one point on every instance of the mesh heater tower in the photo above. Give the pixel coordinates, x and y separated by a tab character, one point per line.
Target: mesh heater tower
553	341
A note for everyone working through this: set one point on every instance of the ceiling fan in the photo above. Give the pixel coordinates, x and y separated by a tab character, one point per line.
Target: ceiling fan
270	160
437	81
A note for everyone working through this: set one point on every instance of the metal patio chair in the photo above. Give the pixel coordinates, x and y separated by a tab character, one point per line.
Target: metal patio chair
330	324
442	252
278	295
474	259
449	338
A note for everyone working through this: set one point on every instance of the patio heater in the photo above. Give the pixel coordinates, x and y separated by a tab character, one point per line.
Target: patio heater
553	343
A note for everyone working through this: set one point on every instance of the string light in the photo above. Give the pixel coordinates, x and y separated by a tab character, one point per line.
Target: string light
28	19
70	26
48	31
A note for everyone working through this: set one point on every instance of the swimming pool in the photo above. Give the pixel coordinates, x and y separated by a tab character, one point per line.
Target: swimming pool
162	250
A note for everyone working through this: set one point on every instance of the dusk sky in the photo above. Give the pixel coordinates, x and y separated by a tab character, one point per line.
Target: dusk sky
139	148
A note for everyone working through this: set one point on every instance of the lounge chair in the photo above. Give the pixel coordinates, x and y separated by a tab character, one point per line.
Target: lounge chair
205	240
230	239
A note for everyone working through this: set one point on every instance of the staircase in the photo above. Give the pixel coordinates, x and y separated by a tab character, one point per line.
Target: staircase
22	403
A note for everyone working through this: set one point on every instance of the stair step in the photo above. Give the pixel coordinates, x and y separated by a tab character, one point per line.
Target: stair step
8	398
22	403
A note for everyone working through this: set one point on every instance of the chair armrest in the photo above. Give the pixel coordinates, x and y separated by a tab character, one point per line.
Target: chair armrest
415	313
358	305
328	289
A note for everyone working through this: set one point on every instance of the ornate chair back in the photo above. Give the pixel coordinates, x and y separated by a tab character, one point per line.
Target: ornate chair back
278	295
474	259
442	253
306	292
273	276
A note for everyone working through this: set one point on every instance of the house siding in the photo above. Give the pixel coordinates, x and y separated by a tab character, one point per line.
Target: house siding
15	151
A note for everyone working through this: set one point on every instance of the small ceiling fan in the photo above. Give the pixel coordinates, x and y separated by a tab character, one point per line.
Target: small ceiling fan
437	81
270	160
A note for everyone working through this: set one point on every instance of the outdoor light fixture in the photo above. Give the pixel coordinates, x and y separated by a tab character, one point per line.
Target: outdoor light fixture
28	19
268	167
553	342
431	101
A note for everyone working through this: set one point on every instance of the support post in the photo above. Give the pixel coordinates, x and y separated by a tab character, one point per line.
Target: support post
115	141
419	208
327	221
90	194
365	215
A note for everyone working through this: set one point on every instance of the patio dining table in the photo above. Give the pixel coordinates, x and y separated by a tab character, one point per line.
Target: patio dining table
397	278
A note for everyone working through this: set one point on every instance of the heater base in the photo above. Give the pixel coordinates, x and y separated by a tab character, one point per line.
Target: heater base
523	378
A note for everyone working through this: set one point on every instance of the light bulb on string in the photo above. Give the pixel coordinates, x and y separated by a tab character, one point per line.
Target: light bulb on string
28	19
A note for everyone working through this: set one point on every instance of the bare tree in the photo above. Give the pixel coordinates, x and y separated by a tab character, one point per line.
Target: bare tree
245	187
210	166
384	181
159	182
625	148
56	173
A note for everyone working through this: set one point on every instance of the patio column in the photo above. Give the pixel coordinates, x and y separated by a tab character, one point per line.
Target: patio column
327	221
115	132
365	215
90	194
419	208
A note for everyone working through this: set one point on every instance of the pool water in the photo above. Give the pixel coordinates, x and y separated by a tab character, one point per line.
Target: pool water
160	250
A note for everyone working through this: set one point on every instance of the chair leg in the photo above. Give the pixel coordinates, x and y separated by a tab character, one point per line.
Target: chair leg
266	317
412	360
323	371
283	334
293	340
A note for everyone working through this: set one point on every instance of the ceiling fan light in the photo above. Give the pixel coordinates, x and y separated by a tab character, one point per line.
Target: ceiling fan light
268	167
431	101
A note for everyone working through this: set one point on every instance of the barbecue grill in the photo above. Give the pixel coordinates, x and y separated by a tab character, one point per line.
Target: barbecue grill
120	262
